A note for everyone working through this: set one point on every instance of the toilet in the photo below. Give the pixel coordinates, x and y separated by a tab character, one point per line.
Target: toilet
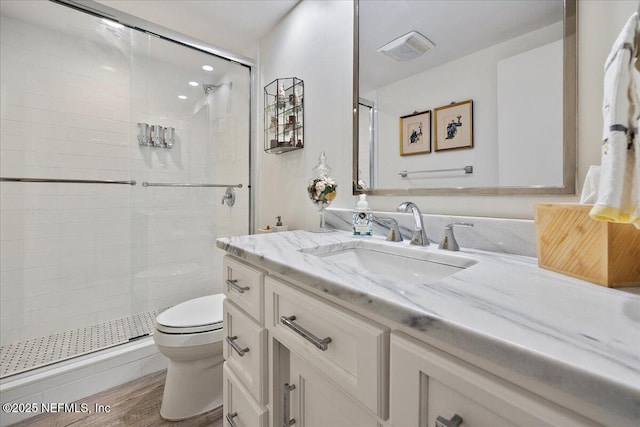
190	336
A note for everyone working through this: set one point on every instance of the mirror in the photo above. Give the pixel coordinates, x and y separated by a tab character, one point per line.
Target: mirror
490	108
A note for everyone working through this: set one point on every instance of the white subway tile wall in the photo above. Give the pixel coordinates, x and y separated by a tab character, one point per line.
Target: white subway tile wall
80	254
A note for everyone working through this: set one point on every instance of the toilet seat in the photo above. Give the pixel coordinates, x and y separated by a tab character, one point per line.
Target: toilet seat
198	315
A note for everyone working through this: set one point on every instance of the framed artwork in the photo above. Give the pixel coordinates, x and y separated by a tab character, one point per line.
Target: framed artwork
454	126
415	133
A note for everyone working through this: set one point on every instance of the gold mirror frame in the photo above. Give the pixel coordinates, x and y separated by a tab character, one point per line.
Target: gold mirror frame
569	131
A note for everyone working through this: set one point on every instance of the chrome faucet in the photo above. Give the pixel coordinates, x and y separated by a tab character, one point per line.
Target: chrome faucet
419	234
229	197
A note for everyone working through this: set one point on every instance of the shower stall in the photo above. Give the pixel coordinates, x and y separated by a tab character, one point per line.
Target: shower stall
125	152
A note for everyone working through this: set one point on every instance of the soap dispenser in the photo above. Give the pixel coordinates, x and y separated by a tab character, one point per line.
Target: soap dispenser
362	218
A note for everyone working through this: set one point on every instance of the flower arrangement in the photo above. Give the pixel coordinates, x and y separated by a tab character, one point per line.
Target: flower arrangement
322	190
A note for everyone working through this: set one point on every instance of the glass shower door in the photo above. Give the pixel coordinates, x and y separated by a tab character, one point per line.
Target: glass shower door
203	101
88	257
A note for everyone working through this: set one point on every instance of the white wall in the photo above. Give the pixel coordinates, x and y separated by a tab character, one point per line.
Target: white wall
319	51
313	43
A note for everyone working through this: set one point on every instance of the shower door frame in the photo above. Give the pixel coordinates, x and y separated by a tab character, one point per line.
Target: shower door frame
102	11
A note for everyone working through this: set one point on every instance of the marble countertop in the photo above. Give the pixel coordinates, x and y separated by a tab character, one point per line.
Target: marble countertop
577	337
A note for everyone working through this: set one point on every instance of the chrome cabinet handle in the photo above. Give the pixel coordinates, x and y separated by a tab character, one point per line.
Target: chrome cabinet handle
455	421
232	342
286	422
230	418
321	344
234	284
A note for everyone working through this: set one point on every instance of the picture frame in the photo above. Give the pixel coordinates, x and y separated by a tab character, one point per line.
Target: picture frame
454	126
415	133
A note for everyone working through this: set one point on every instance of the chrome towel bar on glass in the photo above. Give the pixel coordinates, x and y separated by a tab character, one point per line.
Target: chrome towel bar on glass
181	184
69	181
106	181
466	169
320	343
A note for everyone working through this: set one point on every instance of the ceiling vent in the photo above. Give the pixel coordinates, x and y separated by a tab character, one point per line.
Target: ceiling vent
407	47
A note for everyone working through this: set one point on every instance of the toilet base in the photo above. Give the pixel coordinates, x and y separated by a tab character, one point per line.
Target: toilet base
192	388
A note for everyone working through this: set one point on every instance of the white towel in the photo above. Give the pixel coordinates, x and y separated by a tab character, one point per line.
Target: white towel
619	188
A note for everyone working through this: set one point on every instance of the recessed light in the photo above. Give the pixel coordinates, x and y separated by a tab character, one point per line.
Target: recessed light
112	24
193	83
182	97
207	67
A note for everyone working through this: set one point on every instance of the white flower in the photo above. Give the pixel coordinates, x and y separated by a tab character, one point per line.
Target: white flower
320	186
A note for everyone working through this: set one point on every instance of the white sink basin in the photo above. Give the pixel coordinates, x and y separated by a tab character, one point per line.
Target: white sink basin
415	265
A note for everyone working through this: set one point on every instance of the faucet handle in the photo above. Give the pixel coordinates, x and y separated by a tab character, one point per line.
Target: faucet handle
449	240
394	230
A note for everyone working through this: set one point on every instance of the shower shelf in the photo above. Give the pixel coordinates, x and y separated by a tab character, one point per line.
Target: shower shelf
284	115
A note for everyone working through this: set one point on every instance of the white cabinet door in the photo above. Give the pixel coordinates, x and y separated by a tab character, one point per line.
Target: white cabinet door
354	351
317	402
427	385
240	409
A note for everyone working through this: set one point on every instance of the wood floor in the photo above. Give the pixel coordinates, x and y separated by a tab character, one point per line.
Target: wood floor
134	404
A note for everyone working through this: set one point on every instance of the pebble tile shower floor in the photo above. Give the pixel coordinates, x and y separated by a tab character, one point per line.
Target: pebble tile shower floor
35	353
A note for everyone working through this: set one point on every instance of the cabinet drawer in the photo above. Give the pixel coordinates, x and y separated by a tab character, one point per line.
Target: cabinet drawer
356	358
243	284
245	350
427	383
239	406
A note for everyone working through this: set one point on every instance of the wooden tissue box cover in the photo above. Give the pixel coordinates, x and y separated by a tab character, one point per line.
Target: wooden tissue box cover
570	242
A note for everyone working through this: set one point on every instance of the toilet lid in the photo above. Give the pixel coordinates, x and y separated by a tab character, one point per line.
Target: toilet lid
201	311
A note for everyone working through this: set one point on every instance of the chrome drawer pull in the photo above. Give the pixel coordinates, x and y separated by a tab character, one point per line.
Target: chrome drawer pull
230	418
286	422
319	343
232	342
455	421
234	284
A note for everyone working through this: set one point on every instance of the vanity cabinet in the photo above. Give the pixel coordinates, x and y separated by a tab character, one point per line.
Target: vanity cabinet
431	388
322	364
245	376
